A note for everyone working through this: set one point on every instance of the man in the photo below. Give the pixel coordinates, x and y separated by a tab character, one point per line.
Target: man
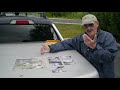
97	46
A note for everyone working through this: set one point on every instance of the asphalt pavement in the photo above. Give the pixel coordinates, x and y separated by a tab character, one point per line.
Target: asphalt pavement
71	21
65	21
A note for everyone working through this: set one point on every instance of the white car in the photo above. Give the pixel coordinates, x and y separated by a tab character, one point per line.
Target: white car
21	38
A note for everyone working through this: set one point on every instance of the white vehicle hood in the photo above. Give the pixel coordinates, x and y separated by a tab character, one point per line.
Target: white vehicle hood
9	53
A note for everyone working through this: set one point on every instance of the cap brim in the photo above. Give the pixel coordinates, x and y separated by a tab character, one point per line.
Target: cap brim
87	22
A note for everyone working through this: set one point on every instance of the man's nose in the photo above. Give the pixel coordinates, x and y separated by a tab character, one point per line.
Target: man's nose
88	27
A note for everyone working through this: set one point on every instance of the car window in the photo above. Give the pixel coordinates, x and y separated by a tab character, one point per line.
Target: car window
26	33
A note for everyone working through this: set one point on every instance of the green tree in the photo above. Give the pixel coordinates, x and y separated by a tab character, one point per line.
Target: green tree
109	21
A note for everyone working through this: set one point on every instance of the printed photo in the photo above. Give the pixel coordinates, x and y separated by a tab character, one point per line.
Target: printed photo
67	60
29	63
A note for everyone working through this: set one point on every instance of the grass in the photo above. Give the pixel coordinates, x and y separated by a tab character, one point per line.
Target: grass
66	15
69	30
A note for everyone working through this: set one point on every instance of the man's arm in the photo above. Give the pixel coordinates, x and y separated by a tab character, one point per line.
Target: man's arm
69	44
106	53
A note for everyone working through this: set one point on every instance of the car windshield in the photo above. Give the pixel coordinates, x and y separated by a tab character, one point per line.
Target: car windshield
27	33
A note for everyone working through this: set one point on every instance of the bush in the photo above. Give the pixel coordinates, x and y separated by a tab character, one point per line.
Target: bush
109	21
70	15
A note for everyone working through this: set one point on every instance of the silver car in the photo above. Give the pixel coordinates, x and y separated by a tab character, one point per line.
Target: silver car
21	38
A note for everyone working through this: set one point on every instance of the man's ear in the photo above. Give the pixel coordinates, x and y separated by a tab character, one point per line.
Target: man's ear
97	22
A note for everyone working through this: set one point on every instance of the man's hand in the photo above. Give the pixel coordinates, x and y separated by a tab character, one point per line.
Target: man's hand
89	42
45	49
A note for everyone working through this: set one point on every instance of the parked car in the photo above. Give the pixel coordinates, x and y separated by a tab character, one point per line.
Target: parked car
21	38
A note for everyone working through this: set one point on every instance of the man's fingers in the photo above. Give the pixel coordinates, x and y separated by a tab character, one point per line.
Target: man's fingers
89	42
88	38
85	37
95	38
41	50
44	45
45	49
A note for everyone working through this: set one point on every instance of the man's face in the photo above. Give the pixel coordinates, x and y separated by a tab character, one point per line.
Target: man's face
91	28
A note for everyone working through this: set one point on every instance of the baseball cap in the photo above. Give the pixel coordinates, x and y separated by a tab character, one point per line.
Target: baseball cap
89	18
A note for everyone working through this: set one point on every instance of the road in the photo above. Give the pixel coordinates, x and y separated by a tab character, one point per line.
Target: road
65	21
70	21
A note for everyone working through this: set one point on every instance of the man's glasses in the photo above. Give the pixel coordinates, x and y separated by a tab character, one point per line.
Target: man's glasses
88	25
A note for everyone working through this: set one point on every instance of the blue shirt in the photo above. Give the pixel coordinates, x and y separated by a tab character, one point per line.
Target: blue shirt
101	57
